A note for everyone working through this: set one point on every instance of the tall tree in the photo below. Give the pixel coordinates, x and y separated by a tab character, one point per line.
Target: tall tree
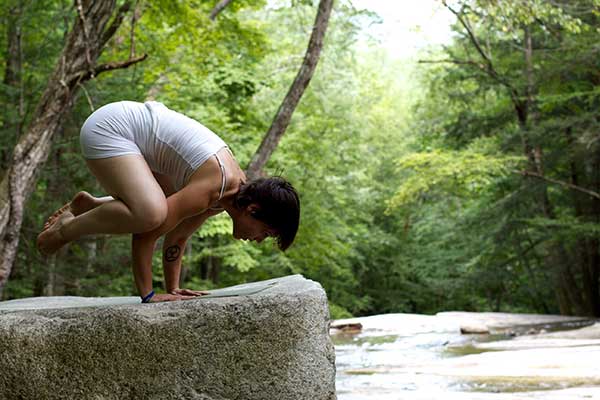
13	78
292	98
506	77
91	29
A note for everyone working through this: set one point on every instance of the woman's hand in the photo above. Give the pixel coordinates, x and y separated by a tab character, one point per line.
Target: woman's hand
176	295
162	297
188	292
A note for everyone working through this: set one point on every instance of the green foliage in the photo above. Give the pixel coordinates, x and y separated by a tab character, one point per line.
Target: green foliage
405	171
489	238
337	312
512	15
451	173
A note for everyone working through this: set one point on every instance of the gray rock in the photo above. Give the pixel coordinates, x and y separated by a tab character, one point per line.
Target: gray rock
512	324
474	329
265	340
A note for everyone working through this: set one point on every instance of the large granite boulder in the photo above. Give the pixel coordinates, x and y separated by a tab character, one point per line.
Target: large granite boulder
263	340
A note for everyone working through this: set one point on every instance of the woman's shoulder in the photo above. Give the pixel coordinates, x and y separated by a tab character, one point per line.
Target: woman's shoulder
234	175
210	175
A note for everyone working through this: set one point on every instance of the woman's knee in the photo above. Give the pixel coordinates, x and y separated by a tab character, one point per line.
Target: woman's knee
152	215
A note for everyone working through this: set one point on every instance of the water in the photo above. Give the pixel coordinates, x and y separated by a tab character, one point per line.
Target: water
404	356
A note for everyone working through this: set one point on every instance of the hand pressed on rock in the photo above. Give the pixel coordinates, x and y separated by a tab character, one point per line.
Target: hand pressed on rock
188	292
162	297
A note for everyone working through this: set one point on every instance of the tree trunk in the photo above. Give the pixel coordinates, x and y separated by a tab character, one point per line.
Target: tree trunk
537	297
215	270
220	6
292	98
594	244
586	248
50	276
558	255
14	110
76	64
205	266
568	292
185	266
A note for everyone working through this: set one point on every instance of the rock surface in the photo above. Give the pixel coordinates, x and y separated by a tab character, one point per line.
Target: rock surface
453	321
587	336
495	322
270	344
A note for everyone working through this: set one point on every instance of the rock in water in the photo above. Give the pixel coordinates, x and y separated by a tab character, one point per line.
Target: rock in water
474	329
271	344
348	327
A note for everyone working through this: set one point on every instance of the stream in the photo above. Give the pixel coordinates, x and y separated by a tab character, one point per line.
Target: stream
408	356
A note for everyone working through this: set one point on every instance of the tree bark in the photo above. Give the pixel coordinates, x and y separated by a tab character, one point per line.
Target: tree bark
76	64
215	270
558	255
586	209
220	6
13	80
594	243
292	98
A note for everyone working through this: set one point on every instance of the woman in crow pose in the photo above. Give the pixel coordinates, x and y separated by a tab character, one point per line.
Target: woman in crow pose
166	174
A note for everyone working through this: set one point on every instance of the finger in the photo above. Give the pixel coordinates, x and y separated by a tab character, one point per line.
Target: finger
200	293
176	297
190	292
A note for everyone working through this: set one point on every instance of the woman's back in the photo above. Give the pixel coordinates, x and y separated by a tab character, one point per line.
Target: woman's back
171	143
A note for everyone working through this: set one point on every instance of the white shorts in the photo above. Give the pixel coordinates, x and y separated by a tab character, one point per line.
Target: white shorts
109	131
171	143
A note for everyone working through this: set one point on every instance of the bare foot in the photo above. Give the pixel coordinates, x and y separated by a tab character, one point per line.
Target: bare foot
82	202
51	239
56	214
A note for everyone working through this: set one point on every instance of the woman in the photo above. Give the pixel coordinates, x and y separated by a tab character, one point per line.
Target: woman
166	174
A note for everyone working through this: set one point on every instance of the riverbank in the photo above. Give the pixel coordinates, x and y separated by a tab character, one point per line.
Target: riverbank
522	356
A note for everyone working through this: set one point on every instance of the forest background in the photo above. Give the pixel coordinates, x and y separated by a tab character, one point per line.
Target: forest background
466	178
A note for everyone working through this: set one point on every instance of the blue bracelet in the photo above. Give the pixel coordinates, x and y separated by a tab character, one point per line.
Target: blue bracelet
148	297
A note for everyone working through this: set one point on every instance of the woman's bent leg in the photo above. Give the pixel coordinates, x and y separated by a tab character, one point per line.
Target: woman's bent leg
81	202
139	204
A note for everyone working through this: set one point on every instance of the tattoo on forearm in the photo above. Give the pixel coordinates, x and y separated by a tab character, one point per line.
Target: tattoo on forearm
172	253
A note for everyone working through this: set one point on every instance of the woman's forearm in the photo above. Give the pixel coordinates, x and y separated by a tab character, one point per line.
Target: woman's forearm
174	246
142	248
173	249
143	243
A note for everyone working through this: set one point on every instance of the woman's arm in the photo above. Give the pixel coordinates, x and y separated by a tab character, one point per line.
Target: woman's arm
174	245
189	201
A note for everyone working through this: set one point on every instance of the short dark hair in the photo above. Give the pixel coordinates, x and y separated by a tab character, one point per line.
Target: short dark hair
278	206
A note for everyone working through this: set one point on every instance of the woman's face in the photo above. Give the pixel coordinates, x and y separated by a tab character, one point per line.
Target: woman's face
246	227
